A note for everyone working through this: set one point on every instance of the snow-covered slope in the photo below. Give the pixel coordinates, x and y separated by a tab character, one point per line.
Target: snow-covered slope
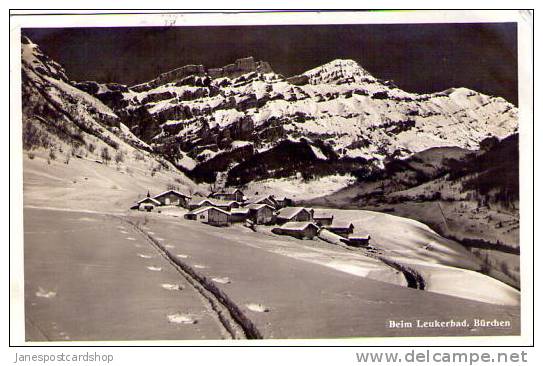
78	152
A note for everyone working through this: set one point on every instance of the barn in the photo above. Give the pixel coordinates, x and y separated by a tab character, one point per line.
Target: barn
172	198
323	218
146	204
210	215
261	213
342	229
294	214
299	230
232	195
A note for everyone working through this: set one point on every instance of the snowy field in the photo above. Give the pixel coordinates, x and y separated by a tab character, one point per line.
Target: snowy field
89	276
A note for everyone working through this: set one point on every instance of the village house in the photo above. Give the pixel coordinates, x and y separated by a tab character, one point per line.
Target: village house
210	215
224	205
239	214
294	214
299	230
232	195
146	204
342	229
323	218
172	198
267	200
261	214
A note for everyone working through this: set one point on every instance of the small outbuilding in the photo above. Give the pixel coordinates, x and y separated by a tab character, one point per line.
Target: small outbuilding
261	214
357	241
146	204
173	198
210	215
299	230
283	202
294	214
340	228
323	218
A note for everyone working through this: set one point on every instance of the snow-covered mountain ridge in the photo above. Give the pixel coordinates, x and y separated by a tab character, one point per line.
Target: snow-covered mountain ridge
336	118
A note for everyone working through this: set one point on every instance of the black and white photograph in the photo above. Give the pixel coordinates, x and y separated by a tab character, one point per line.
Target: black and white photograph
185	182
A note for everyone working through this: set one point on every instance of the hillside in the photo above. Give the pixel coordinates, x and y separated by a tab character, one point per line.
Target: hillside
76	146
469	196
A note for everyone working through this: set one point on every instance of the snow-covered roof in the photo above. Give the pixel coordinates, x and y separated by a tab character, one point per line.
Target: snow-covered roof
171	191
213	201
290	212
258	206
151	199
298	225
260	199
206	208
323	215
239	211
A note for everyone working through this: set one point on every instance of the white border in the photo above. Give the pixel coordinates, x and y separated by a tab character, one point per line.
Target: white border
525	29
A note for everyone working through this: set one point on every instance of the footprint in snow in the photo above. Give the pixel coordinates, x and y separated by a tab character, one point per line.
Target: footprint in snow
199	266
146	256
169	246
223	280
153	268
259	308
160	239
168	286
124	232
179	318
150	232
45	294
182	256
130	238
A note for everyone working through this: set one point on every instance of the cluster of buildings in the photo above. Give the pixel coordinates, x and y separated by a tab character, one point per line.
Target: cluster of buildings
227	207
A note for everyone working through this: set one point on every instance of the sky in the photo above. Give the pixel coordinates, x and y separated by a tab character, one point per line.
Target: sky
420	58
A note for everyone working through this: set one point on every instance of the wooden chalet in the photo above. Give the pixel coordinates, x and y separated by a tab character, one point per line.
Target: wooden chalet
173	198
261	213
299	230
210	215
294	214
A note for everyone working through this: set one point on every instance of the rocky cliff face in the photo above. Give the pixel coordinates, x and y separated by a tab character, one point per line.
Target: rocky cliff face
343	118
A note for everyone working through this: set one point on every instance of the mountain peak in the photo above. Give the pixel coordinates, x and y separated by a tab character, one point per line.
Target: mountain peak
338	71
